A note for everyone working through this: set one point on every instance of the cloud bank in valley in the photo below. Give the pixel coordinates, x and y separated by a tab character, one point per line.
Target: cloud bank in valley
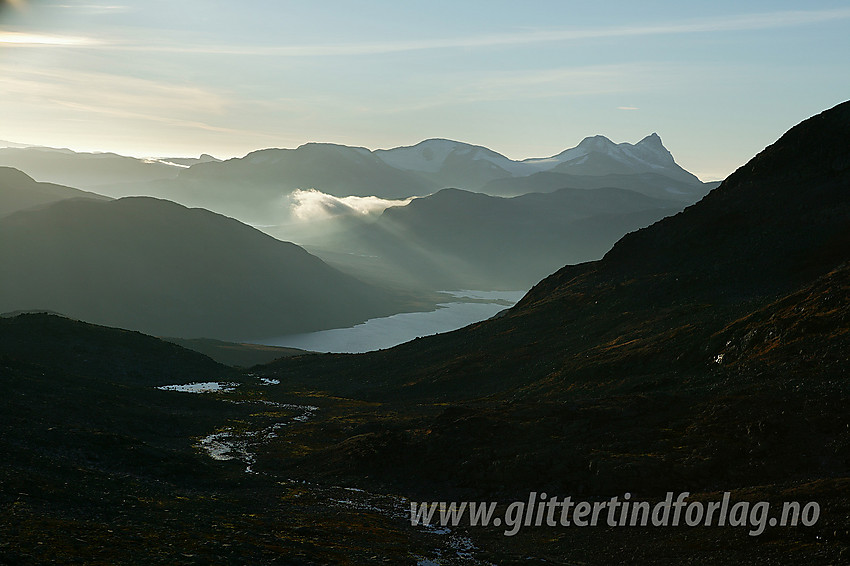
311	204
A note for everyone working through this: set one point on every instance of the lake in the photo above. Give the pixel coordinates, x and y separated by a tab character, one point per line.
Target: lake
388	331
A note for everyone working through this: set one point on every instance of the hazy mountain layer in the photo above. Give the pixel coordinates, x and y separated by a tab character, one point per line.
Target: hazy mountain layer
96	171
259	187
334	169
650	184
459	239
18	191
189	161
156	266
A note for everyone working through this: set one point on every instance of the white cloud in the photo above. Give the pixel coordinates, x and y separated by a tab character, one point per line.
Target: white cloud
315	205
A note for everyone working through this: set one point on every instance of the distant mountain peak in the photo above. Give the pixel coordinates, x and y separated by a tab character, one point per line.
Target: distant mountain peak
439	141
454	163
427	156
652	144
652	139
332	146
596	141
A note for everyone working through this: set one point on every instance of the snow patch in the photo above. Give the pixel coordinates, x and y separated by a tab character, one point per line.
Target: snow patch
427	156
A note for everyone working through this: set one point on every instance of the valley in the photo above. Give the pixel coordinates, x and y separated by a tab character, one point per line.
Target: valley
693	344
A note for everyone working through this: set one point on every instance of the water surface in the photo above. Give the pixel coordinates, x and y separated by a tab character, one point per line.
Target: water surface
389	331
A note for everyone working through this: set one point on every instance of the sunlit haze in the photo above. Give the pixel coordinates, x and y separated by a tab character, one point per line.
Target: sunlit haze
717	81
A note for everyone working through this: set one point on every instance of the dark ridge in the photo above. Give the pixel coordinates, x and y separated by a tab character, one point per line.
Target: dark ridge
122	356
775	223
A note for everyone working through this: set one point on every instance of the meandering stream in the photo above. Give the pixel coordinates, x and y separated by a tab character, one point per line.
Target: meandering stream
228	443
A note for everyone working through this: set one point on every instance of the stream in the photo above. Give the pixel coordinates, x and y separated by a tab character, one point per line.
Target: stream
450	547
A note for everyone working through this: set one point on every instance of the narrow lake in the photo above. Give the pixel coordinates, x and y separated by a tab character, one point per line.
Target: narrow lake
385	332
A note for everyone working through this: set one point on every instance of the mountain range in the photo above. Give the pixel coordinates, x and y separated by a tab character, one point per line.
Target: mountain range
455	164
451	239
446	238
256	188
706	353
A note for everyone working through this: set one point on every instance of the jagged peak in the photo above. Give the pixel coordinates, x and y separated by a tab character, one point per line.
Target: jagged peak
652	139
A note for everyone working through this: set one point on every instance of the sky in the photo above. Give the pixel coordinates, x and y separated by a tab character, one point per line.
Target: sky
717	81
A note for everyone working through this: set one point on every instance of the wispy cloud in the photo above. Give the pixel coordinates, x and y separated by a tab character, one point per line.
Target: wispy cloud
126	114
92	9
744	22
628	108
115	96
23	39
107	91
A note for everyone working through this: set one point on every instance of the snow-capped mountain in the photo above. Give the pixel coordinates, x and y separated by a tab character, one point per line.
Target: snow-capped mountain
435	155
458	164
600	156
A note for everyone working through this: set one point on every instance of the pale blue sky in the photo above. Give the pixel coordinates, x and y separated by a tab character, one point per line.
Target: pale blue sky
718	81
